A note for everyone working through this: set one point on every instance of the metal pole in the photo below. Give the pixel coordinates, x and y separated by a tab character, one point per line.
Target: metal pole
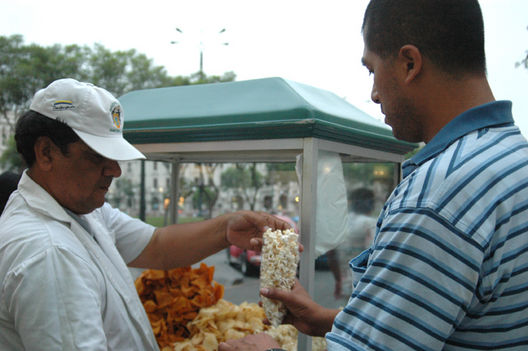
308	213
201	72
175	191
142	193
201	63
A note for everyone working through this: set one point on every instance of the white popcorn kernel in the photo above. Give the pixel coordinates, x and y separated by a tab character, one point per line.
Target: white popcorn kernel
278	269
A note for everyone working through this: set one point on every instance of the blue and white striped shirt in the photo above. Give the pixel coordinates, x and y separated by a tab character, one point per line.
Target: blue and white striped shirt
448	269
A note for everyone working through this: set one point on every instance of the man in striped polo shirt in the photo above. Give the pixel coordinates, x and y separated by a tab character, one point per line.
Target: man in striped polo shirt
448	269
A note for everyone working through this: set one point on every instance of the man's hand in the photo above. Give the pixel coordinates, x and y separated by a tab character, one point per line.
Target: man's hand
306	315
255	342
244	228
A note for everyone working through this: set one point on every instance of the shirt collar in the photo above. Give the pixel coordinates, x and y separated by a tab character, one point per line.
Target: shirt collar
82	221
39	199
491	114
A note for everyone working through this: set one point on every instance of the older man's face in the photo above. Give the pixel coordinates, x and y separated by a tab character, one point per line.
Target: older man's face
81	178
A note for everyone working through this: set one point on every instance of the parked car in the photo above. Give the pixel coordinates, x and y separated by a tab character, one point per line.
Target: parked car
248	261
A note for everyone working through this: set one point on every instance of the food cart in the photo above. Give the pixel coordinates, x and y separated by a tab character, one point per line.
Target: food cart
261	120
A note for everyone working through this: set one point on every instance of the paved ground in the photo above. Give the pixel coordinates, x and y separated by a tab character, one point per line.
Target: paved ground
239	288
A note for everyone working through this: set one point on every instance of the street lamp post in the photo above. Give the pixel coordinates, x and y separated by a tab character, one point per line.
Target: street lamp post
201	46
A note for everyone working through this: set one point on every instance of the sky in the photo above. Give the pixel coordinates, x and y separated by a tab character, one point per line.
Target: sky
313	42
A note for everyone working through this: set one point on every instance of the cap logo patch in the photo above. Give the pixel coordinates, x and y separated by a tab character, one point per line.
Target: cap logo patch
61	105
115	110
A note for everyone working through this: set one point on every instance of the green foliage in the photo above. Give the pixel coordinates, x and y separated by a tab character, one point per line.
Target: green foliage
234	177
11	159
242	175
281	173
524	61
24	69
200	78
245	179
204	195
123	71
203	191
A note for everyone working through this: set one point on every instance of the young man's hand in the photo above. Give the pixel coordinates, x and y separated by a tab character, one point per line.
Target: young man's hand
303	313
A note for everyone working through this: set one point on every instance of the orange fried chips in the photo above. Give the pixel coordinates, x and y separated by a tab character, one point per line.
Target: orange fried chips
174	297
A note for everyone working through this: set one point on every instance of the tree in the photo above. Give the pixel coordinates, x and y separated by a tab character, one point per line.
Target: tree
212	192
123	71
203	189
524	61
11	159
200	78
26	68
281	173
245	179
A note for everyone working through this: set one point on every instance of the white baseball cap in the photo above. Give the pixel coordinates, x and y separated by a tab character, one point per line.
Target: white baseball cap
93	113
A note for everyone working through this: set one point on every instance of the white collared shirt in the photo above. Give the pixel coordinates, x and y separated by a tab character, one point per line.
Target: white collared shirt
63	289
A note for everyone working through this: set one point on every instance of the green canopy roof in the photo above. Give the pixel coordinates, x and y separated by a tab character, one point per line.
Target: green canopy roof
269	108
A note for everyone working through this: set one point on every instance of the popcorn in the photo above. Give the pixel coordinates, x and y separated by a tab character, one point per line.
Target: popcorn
278	269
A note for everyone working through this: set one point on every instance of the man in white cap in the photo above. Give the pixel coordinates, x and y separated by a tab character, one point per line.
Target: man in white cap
64	281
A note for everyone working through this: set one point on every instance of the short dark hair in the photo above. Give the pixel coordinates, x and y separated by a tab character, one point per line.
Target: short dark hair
8	183
32	125
361	200
450	33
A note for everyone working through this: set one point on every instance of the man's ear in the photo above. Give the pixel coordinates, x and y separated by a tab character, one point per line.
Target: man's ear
44	149
411	61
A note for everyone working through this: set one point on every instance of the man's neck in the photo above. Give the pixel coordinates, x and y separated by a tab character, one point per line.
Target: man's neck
450	98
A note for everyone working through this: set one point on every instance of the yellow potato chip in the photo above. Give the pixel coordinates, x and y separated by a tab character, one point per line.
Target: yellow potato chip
187	312
210	342
234	334
172	298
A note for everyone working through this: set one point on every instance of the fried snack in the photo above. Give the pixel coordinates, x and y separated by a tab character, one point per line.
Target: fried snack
226	321
278	269
173	298
221	322
286	335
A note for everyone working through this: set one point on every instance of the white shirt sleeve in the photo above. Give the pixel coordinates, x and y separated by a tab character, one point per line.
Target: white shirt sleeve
52	298
131	235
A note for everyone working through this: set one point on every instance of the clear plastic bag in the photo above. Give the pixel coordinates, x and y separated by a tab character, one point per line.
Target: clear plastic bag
332	207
